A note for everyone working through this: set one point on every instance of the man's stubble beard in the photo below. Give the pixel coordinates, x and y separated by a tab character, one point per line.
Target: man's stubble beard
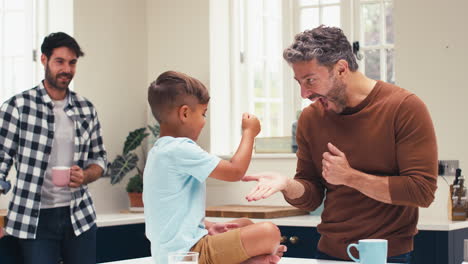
337	94
53	81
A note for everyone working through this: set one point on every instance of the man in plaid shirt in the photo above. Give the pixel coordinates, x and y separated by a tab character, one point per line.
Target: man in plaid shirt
41	128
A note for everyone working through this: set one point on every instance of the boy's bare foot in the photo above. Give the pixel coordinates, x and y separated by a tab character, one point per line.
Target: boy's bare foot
263	259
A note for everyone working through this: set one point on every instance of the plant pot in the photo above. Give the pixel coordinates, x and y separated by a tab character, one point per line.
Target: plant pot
136	202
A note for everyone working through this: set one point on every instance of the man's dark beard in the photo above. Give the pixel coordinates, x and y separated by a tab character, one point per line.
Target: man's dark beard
53	81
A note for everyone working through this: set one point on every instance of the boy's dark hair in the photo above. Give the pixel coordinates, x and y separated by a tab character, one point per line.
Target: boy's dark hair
57	40
174	89
326	44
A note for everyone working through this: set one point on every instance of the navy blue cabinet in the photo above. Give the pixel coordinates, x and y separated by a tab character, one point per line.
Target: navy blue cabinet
113	243
122	242
9	251
440	246
430	247
129	241
301	241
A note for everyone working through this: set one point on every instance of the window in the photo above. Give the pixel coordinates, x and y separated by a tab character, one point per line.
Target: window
16	46
262	82
376	39
260	61
313	13
23	25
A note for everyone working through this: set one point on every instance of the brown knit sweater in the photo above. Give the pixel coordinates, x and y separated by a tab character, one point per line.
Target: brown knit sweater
390	133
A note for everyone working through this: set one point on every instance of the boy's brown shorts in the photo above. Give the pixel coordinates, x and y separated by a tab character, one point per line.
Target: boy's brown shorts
225	248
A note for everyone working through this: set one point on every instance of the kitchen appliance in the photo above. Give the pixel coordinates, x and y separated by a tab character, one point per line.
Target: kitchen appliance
448	167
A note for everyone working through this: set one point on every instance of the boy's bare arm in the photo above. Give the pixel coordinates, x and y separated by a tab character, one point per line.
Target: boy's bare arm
234	169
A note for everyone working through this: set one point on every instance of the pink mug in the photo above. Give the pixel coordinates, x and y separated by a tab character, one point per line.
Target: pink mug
61	176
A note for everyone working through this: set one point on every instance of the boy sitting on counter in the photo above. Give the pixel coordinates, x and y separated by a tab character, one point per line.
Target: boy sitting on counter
175	182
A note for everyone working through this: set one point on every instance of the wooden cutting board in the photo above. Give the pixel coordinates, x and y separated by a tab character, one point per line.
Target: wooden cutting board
3	213
253	211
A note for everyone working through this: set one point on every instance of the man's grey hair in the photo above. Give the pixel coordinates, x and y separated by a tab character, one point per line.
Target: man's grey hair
326	44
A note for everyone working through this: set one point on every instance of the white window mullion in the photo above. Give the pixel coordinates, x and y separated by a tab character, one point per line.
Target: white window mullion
248	63
361	36
320	8
265	82
356	31
346	19
383	56
383	64
267	118
291	94
236	53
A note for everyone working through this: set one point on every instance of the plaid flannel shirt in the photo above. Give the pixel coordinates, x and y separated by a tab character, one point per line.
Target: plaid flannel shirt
26	133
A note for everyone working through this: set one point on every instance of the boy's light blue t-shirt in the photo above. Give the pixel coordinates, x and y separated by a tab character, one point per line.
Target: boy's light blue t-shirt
174	195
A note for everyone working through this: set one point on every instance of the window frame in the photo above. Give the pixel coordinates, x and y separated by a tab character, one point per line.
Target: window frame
43	17
246	70
382	47
27	74
291	100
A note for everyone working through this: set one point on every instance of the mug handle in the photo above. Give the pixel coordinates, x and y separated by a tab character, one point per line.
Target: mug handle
351	255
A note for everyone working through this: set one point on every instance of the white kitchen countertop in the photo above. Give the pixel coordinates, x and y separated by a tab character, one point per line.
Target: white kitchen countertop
104	220
115	219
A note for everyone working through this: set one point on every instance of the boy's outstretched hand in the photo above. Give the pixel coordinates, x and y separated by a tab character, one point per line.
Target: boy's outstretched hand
218	228
250	124
268	183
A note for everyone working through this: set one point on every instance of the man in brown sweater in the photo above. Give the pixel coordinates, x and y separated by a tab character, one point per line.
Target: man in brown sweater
365	147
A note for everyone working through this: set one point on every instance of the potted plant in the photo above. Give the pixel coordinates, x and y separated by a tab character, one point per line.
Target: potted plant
128	161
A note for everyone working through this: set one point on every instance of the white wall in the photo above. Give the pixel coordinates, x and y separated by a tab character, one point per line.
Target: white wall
178	39
431	52
431	56
59	15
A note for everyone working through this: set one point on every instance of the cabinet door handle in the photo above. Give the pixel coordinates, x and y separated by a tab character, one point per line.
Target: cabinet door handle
283	239
294	240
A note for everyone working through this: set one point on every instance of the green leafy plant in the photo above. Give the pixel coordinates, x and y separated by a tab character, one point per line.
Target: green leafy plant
135	184
128	161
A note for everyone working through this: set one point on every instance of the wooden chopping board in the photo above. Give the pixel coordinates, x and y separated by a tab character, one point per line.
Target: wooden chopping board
253	211
3	213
